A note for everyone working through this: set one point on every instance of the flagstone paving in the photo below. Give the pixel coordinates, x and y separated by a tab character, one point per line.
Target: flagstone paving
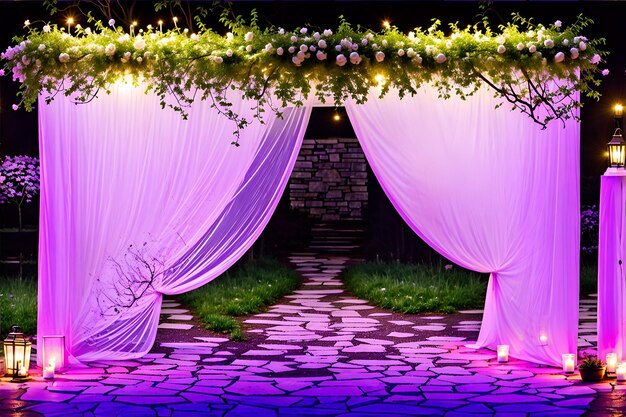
321	352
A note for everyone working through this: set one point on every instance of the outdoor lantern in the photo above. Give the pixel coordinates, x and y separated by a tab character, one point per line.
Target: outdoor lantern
53	352
620	372
617	150
618	111
16	354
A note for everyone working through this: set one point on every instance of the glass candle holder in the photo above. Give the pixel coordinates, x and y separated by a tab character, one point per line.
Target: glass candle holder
503	353
611	362
620	372
53	351
569	362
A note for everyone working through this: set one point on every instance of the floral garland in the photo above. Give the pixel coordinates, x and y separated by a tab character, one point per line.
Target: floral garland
520	63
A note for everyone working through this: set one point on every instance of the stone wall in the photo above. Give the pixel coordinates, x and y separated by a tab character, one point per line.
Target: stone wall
329	180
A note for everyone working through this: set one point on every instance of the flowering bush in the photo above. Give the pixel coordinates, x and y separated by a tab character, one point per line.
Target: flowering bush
520	63
589	221
19	181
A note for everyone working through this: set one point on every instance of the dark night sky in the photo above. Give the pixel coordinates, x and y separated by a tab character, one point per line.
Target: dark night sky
18	130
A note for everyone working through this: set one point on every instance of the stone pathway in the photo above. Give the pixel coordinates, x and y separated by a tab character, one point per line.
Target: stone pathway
318	352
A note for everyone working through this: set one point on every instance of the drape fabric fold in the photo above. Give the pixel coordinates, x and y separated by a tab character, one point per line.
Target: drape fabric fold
492	192
137	202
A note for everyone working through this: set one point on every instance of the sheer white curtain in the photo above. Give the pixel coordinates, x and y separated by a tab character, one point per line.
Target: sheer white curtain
492	192
137	202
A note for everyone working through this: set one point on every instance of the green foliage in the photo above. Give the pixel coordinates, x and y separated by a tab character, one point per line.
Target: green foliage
416	288
588	279
519	63
18	304
245	290
591	362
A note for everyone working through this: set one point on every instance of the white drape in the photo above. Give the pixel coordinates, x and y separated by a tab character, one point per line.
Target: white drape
131	191
491	191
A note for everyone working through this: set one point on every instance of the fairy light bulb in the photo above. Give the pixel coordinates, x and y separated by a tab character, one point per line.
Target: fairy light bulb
386	24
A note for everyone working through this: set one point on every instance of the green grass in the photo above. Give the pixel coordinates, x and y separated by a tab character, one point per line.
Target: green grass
588	279
18	304
417	288
246	289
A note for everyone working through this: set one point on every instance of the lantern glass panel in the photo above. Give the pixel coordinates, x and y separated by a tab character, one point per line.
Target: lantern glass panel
617	155
54	351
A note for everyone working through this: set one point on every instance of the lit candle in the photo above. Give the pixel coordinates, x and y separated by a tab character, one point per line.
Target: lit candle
620	372
22	371
161	26
70	22
543	339
48	372
569	363
503	353
611	362
175	19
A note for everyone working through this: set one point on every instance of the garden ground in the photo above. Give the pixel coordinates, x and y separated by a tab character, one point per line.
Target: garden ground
319	351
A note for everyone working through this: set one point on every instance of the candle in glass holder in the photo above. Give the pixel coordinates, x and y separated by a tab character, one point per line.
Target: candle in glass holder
503	353
611	362
620	372
48	372
569	362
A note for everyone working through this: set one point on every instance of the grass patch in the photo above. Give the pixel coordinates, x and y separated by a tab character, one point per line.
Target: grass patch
588	280
246	289
18	304
417	288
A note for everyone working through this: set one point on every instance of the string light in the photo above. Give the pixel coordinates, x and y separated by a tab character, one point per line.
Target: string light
175	19
618	110
337	116
386	24
70	22
160	22
380	79
132	28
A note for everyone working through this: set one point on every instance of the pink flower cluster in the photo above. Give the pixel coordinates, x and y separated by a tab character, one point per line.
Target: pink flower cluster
9	54
19	179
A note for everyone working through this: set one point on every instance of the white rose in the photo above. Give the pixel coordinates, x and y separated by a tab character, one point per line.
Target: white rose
548	43
139	59
230	36
380	56
341	60
595	59
147	55
110	49
294	39
501	49
400	52
126	55
582	46
440	59
355	58
281	31
249	48
279	51
417	60
411	53
229	53
328	32
500	40
41	47
322	44
194	37
249	36
218	59
385	43
321	55
565	42
573	53
577	39
63	57
559	57
269	48
46	28
520	46
532	49
139	43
